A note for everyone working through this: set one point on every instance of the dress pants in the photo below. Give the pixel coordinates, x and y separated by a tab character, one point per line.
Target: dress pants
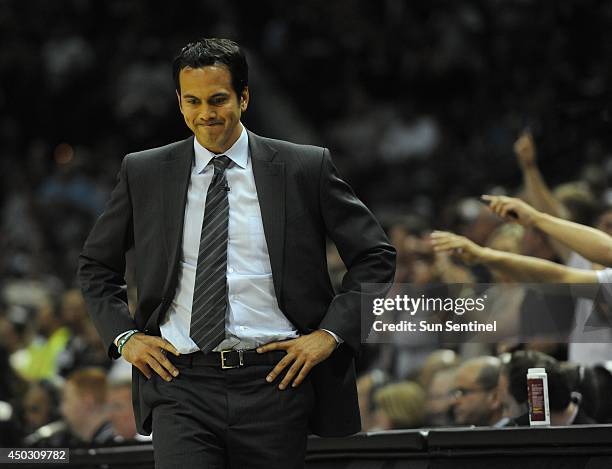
208	417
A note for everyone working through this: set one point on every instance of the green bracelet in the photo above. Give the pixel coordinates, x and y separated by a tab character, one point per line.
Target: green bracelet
125	338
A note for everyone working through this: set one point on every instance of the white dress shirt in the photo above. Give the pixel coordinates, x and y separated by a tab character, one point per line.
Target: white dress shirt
253	317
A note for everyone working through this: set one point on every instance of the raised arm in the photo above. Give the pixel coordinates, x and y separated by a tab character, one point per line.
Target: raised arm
537	191
593	244
523	268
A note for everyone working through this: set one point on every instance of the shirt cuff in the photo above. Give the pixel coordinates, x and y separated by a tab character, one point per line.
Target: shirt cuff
335	336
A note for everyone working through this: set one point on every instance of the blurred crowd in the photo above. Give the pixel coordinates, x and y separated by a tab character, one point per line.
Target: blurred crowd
425	106
431	380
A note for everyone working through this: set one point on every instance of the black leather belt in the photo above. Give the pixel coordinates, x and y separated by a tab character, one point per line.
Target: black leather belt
227	359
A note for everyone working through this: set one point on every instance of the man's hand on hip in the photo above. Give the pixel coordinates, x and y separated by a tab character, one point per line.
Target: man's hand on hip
145	352
303	354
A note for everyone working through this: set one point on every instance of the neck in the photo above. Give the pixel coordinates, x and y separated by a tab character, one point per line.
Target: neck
565	417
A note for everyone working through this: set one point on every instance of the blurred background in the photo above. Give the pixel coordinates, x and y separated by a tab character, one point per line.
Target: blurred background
424	105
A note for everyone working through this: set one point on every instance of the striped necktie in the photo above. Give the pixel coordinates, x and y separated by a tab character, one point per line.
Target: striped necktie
210	290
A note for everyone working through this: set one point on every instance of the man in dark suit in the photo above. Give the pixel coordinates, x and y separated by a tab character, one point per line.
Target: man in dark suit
239	344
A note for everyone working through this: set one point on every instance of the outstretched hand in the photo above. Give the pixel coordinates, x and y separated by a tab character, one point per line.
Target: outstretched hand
512	209
146	353
467	250
303	353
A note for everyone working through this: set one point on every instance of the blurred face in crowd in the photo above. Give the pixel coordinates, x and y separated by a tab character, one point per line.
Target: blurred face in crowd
210	106
119	403
76	408
510	408
37	408
73	309
46	321
9	338
472	404
439	398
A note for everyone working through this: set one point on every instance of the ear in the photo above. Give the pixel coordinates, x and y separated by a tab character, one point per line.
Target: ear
180	103
495	399
244	99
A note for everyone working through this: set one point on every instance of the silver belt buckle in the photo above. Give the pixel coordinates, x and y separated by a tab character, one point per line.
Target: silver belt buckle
229	367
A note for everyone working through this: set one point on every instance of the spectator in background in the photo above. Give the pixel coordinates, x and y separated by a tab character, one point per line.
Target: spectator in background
575	202
439	360
564	405
40	358
399	405
40	406
439	403
10	388
367	385
591	243
84	349
83	407
475	397
121	414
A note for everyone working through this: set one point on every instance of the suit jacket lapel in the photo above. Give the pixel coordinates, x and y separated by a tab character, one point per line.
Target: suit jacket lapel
270	184
175	175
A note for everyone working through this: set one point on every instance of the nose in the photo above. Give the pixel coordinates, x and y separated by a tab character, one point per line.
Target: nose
207	114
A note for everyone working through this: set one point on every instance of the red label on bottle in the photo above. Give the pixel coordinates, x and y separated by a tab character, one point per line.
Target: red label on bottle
535	391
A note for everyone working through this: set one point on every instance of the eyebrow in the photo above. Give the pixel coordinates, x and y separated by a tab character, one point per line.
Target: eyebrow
216	95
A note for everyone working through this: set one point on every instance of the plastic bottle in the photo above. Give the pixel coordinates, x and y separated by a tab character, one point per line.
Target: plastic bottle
537	391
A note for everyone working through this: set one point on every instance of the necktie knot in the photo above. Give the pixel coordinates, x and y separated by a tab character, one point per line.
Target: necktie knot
220	163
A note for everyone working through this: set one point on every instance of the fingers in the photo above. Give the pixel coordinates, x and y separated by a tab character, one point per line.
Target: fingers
293	371
164	344
283	345
148	354
444	241
144	369
280	366
302	375
163	366
501	205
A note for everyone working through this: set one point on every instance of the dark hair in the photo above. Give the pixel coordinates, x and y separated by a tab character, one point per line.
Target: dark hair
214	51
489	375
559	391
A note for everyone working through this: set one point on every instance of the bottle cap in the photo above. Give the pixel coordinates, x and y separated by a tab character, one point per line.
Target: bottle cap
536	370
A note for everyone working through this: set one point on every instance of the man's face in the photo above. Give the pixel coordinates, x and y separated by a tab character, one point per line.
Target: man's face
72	406
36	408
120	411
473	405
210	106
439	399
73	308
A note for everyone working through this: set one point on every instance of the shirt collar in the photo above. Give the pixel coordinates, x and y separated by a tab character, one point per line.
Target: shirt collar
238	153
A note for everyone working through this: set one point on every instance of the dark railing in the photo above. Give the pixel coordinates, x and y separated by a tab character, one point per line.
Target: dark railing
579	446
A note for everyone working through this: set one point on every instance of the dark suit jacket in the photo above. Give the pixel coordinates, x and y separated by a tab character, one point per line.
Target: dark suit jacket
302	200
